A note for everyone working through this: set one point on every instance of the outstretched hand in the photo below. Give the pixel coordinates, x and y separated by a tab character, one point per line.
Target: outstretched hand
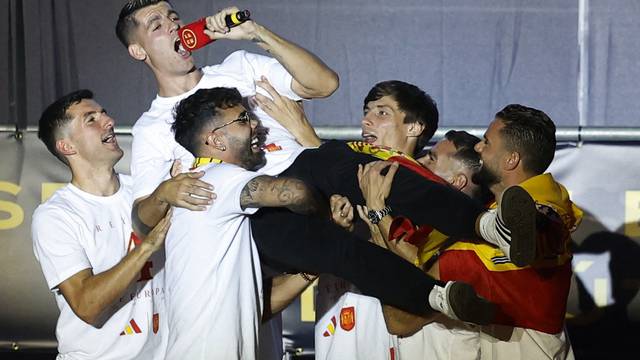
187	191
289	113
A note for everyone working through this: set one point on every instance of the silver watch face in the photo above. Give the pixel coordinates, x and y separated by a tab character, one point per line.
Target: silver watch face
373	216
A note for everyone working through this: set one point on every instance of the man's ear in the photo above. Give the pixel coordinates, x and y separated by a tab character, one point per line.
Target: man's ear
137	52
415	129
64	147
512	160
215	141
460	181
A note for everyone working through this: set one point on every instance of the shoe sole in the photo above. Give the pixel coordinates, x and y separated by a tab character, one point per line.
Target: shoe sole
518	211
468	306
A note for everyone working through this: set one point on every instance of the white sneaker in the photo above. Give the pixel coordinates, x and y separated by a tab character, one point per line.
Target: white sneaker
459	301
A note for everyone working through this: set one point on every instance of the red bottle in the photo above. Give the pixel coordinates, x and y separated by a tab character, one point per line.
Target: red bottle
192	36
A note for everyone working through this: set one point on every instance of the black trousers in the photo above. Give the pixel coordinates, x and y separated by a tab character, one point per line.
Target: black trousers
293	242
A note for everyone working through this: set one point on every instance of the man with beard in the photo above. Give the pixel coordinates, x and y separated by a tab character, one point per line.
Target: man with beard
213	272
454	160
517	148
148	30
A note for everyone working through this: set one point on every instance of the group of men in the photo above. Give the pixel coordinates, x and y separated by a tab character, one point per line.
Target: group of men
227	175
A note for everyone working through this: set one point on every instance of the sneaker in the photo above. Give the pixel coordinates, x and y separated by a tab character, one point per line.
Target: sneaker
459	301
517	217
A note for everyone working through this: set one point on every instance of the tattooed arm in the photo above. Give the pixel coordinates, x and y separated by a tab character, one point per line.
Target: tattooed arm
268	191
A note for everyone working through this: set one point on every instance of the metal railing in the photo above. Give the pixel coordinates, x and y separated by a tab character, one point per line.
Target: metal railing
563	134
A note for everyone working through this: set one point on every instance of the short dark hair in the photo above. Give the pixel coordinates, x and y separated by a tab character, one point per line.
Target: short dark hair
55	117
465	152
198	111
127	21
530	132
417	105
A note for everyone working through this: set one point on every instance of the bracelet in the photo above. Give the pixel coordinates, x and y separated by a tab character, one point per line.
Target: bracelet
375	216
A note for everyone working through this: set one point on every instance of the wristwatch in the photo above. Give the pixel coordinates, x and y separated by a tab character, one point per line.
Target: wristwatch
375	216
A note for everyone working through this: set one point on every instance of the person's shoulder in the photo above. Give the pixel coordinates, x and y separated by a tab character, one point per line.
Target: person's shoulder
152	125
335	145
235	59
58	198
61	202
148	119
155	116
227	175
224	171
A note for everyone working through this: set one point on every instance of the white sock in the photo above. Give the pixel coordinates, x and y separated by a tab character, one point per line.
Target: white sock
493	230
439	299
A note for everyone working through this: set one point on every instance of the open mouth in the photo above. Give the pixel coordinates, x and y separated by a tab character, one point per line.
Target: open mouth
110	138
369	138
177	47
257	143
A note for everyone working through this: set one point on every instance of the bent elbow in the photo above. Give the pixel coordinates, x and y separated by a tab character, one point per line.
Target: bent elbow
88	315
324	88
91	319
331	84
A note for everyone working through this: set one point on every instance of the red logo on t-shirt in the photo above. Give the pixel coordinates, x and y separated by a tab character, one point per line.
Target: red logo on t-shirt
348	318
156	322
145	272
272	147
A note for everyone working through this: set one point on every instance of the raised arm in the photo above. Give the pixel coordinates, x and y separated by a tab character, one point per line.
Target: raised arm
375	189
90	295
268	191
311	77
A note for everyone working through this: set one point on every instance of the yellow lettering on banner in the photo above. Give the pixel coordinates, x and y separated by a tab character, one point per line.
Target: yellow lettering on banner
48	189
16	214
600	291
582	266
632	214
307	306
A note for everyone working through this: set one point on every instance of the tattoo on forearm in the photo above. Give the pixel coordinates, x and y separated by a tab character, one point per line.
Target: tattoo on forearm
266	191
246	196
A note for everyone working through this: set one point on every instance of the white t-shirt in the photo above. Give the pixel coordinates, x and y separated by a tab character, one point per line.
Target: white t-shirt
154	147
449	339
354	327
75	230
505	342
213	277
